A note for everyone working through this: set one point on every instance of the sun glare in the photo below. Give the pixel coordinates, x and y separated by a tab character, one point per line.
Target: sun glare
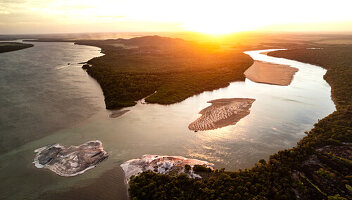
212	29
215	28
204	16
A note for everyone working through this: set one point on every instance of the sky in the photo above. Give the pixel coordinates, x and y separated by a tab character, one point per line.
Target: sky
214	17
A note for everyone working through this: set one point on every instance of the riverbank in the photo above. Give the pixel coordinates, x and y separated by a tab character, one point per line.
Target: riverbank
13	46
277	178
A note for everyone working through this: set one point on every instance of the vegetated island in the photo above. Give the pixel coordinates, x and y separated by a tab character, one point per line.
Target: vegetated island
319	167
13	46
132	69
269	73
222	112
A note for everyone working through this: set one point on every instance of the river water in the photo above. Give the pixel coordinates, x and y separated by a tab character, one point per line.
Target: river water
46	98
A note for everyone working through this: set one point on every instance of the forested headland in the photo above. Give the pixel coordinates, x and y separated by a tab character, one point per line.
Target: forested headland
13	46
174	69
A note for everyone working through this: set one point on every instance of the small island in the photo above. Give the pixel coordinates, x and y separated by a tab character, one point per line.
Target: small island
13	46
222	112
70	161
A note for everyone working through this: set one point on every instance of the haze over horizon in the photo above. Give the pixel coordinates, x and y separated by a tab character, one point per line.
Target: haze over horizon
220	17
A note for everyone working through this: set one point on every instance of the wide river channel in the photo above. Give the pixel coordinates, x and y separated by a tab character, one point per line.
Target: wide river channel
46	98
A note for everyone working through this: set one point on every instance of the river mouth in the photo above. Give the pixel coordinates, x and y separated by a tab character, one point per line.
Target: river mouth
278	119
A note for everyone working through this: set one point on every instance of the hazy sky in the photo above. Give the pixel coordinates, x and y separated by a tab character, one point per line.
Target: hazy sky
218	16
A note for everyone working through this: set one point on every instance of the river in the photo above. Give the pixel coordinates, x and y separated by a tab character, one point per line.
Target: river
46	98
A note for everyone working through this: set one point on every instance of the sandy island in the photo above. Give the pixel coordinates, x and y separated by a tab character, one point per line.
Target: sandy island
262	72
171	165
70	161
222	112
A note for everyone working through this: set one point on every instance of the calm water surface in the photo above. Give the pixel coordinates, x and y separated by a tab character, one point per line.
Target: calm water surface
44	100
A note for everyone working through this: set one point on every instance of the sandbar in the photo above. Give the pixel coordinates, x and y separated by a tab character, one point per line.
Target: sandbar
222	112
117	113
269	73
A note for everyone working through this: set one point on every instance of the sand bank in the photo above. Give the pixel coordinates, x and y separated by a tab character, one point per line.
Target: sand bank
265	53
262	72
70	161
117	113
222	112
163	165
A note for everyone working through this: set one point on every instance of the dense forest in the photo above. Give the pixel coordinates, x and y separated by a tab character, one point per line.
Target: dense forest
319	167
13	46
174	69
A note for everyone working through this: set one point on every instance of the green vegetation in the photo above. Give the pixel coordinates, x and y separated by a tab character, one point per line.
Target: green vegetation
201	168
187	168
13	46
176	69
325	173
297	172
336	197
312	184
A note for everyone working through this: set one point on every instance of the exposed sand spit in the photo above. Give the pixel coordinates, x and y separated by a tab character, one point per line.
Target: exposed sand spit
270	73
162	164
118	113
222	112
70	161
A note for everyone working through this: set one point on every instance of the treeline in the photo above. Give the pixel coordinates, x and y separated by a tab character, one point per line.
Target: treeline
176	69
301	172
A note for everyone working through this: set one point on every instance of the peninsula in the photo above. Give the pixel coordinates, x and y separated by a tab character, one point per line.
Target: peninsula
13	46
176	69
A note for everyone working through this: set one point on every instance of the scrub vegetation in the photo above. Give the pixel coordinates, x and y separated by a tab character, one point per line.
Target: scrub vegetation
174	69
319	167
